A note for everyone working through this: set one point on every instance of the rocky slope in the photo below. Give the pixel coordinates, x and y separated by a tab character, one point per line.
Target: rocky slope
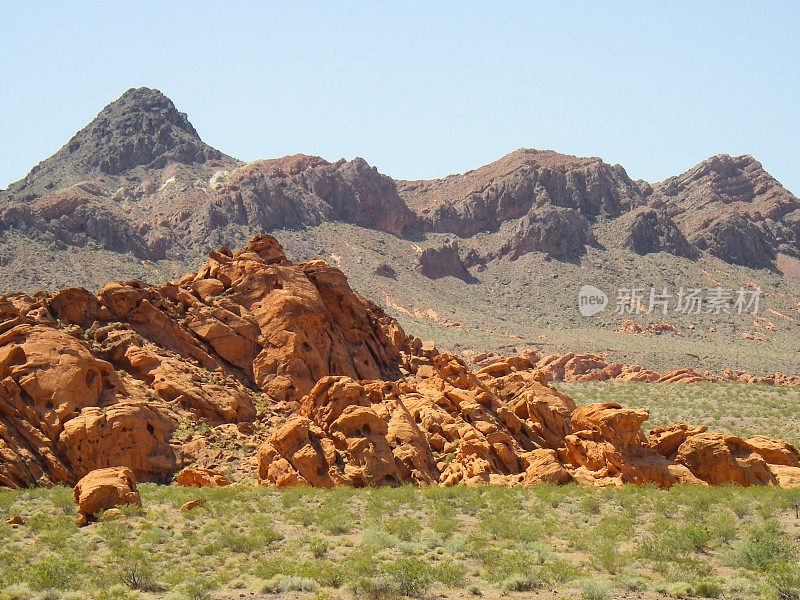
139	179
269	368
732	208
137	195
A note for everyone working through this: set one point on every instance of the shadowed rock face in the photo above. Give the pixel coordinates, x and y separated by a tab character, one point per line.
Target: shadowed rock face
509	188
732	208
304	190
139	182
434	263
651	230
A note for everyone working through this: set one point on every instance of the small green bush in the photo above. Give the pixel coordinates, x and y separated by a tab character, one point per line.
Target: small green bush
411	575
594	589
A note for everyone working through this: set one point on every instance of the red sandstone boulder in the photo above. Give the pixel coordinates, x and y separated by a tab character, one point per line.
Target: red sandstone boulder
193	476
718	458
775	452
103	489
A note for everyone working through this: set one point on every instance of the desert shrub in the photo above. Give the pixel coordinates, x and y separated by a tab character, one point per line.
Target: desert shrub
708	588
376	588
679	589
318	546
411	575
783	582
764	547
289	583
693	537
403	527
61	497
522	583
116	592
193	590
53	572
608	555
723	526
590	504
594	589
448	573
135	566
632	581
17	591
559	570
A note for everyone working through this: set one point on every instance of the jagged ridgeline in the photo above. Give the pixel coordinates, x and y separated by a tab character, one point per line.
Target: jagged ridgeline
137	194
138	180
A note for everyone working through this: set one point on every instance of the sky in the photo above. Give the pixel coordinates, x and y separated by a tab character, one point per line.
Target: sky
420	90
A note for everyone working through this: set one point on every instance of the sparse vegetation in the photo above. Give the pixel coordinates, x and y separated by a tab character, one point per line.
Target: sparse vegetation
392	542
735	408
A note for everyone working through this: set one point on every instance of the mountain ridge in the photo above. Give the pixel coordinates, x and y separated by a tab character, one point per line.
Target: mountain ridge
140	196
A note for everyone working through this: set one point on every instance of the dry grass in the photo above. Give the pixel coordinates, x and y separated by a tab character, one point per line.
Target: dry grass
384	543
735	408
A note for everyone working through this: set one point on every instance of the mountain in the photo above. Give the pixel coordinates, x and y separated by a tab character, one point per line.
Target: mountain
140	129
491	258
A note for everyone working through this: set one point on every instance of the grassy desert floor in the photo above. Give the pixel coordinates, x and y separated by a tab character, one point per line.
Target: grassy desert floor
735	408
542	542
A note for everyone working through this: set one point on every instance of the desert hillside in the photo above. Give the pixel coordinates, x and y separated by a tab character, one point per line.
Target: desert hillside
486	261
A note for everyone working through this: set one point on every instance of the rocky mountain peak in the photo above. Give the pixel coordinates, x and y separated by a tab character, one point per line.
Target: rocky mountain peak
142	128
147	109
723	177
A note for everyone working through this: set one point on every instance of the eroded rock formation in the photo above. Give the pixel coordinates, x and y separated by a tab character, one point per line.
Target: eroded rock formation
596	367
120	378
104	489
502	425
254	351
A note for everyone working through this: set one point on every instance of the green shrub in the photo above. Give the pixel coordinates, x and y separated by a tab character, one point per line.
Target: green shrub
378	587
411	575
53	572
135	566
594	589
708	588
522	583
192	590
318	547
403	527
783	583
17	591
289	583
679	589
764	547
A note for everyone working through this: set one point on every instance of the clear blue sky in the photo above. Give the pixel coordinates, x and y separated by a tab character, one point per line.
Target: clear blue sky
420	90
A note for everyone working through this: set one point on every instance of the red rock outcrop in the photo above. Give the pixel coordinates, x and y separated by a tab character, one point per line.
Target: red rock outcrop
255	351
103	489
94	381
501	425
196	477
595	367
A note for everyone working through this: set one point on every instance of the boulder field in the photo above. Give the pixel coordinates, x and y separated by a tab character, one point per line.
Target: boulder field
257	367
596	367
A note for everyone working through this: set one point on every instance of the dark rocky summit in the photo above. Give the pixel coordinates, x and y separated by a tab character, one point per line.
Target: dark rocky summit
140	129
